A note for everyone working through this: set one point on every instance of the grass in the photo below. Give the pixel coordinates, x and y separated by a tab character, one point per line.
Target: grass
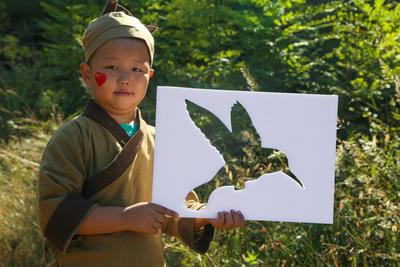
365	230
21	243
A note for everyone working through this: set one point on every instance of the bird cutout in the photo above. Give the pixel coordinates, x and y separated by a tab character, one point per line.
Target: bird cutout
113	6
241	149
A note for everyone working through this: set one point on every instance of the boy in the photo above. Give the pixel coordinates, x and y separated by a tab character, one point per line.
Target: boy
94	187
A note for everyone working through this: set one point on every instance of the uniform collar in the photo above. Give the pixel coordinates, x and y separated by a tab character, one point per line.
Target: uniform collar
99	115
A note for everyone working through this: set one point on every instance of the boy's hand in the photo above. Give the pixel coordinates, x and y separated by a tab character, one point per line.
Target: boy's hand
146	217
228	220
225	220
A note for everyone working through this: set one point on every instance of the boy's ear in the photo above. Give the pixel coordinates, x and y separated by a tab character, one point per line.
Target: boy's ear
151	73
85	74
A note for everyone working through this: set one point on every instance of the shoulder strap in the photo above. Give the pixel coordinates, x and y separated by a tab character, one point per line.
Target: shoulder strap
97	113
115	169
122	161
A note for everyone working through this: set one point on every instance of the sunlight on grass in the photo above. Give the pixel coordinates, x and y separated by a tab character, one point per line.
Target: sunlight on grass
365	229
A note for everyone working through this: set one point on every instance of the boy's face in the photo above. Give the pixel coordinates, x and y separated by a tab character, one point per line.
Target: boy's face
118	75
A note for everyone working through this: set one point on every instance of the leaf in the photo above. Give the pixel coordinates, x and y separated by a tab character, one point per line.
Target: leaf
211	126
243	129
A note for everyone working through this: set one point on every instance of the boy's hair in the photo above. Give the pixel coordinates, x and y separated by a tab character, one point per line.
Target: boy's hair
116	22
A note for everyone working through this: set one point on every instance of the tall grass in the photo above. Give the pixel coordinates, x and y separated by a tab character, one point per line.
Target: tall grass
365	230
20	241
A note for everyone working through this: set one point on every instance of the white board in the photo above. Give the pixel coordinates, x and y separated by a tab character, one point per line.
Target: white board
301	125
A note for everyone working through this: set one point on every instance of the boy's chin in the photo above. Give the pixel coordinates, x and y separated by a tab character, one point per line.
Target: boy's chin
125	109
121	108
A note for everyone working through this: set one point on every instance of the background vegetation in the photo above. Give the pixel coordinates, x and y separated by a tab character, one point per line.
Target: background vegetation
349	48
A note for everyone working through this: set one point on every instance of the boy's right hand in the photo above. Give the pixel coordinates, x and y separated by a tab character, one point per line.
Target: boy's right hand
146	217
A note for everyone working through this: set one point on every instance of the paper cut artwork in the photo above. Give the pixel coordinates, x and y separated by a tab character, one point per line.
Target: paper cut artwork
271	154
240	144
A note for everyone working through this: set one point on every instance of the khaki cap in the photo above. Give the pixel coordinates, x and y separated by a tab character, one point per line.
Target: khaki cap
115	25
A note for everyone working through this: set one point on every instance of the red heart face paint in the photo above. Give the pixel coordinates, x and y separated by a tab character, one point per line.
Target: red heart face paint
100	78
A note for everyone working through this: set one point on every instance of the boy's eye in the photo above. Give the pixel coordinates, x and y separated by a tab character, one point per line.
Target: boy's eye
137	69
111	67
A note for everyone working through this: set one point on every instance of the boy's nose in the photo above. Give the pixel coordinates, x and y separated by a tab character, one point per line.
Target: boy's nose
124	78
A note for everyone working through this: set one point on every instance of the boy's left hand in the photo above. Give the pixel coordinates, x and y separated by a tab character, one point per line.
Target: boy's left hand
225	220
228	220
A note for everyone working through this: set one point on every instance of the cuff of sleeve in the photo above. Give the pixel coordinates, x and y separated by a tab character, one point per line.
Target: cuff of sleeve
203	239
66	219
185	226
198	241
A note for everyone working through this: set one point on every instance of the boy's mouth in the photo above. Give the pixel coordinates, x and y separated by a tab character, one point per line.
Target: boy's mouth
123	93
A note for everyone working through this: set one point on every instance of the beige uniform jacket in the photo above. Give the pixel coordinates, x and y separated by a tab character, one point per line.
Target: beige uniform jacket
91	161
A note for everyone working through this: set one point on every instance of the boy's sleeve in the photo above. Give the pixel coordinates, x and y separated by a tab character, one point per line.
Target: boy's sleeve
61	176
183	228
